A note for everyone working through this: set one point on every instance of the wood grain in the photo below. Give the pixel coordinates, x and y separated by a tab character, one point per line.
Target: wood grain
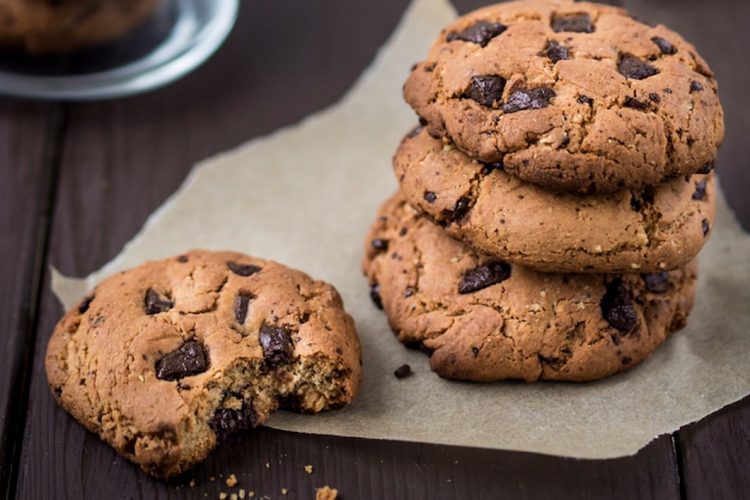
121	159
27	180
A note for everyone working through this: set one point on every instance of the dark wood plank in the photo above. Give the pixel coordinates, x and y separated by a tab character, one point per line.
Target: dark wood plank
27	138
714	454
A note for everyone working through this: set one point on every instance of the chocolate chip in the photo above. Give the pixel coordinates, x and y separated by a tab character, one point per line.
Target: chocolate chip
487	274
635	104
419	346
705	226
654	97
634	68
461	209
403	371
227	421
182	259
695	86
521	100
475	351
481	33
277	344
706	169
664	46
156	304
242	269
667	90
402	231
241	306
379	244
408	292
579	22
556	52
486	89
585	100
189	359
626	360
375	295
656	282
617	306
430	197
565	141
489	167
85	303
700	190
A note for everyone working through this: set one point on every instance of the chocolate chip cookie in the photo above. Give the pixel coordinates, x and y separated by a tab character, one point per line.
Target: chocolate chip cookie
484	319
647	230
165	360
572	96
46	26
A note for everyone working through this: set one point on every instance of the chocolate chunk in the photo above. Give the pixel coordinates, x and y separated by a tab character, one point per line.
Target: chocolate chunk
227	421
85	303
156	304
379	244
489	167
182	259
241	306
461	209
696	86
617	306
635	104
578	22
276	342
375	296
654	97
430	197
634	68
487	274
403	371
664	46
242	269
486	89
521	100
556	52
480	33
656	282
700	190
706	169
189	359
585	100
706	226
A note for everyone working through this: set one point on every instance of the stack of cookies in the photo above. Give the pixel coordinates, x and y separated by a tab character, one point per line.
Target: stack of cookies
554	197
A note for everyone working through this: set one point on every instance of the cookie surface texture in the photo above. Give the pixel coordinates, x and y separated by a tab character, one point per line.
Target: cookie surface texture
165	360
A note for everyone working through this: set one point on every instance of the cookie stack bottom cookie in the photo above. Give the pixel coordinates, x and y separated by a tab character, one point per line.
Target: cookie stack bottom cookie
483	319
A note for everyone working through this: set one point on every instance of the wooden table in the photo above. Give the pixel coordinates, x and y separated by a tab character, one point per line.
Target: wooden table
78	180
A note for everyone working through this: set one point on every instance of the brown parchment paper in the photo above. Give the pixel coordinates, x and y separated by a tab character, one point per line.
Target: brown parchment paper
305	196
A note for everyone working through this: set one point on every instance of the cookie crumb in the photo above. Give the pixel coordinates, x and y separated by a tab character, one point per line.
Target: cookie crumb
284	491
222	495
141	378
242	493
268	465
309	469
232	481
233	496
250	494
326	493
403	371
192	483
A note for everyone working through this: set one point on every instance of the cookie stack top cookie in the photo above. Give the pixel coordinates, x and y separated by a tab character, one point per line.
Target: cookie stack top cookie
566	137
571	96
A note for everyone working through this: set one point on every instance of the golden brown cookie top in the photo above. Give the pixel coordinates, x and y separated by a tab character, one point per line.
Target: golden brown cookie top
573	96
166	358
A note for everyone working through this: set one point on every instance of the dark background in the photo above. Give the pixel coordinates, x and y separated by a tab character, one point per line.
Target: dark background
77	181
